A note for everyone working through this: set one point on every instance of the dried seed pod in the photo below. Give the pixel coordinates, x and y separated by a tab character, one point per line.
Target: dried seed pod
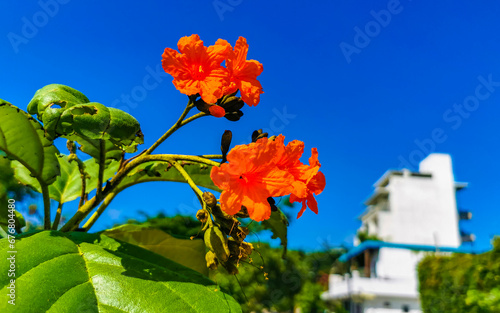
216	241
212	261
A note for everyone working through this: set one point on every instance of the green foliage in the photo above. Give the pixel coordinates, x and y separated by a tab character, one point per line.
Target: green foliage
9	187
296	281
190	253
68	185
22	139
66	112
278	224
79	272
153	171
461	283
179	226
271	282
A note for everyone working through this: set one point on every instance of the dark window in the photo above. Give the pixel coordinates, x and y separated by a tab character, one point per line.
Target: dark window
406	308
387	304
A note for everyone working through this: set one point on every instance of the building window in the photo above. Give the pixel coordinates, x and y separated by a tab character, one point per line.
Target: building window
387	304
406	308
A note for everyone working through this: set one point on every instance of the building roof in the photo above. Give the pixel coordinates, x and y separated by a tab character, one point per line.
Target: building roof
371	244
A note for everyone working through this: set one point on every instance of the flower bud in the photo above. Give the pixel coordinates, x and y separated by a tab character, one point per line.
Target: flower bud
209	199
202	216
258	134
216	111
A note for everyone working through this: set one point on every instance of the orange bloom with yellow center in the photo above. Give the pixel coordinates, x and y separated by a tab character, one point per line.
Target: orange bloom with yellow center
197	69
243	73
249	178
266	169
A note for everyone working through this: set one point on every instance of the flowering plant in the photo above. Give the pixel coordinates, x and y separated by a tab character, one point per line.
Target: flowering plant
247	177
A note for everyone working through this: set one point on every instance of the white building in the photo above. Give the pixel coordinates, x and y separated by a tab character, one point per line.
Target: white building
413	213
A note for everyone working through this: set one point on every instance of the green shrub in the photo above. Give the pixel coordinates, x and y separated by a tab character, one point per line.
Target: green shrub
461	283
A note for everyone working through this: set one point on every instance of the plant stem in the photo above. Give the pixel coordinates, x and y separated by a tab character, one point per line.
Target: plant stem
86	208
80	215
194	117
102	166
58	216
172	129
212	156
83	177
189	180
46	205
97	214
157	157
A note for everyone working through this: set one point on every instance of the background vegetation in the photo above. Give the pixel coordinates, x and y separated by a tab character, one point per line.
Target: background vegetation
461	283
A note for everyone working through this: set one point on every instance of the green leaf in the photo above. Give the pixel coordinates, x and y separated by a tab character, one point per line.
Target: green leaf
68	113
68	185
92	147
19	221
79	272
278	224
156	171
190	253
22	139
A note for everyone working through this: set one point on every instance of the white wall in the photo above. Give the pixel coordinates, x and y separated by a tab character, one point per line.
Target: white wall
422	210
398	263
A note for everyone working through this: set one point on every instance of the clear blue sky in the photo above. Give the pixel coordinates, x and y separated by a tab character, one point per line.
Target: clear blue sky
362	99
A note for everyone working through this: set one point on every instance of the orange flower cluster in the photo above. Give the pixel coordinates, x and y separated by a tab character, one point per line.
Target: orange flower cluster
268	168
197	70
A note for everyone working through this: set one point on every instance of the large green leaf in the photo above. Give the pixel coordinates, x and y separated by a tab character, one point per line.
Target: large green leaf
190	253
155	171
68	185
22	139
80	272
68	113
278	224
93	147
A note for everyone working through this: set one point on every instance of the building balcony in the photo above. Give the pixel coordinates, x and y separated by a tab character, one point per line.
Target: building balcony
368	288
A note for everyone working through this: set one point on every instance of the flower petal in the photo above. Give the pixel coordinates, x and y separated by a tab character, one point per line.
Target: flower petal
231	201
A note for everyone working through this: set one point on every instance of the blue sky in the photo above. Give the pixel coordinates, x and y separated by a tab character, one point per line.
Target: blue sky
363	81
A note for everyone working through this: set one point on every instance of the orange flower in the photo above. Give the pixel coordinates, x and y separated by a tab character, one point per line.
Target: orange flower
243	73
197	69
266	169
307	179
249	178
314	181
